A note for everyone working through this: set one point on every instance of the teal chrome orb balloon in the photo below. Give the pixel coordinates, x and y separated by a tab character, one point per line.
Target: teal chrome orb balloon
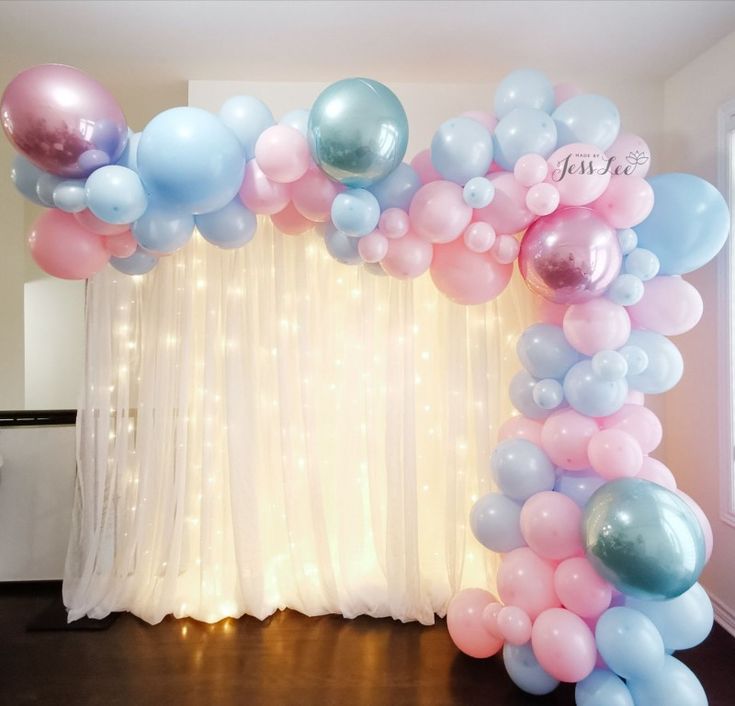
643	539
358	131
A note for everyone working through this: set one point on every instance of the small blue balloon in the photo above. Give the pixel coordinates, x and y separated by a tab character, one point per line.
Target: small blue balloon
478	192
129	157
523	131
521	395
115	194
524	88
24	176
521	469
297	119
626	290
628	240
525	671
665	364
248	118
589	119
70	196
163	231
548	393
355	212
578	485
609	365
45	187
590	395
398	188
495	522
341	246
461	149
602	688
636	358
230	227
545	352
673	685
642	263
138	263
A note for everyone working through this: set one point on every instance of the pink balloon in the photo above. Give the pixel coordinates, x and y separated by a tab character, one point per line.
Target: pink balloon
464	622
372	247
570	256
626	202
63	120
564	645
635	397
514	625
94	225
282	153
551	524
565	91
121	245
596	325
61	247
313	193
703	523
652	469
542	199
549	313
438	212
487	120
505	249
290	221
490	618
638	421
565	437
629	155
670	306
479	237
467	277
260	194
615	454
579	172
424	167
526	580
521	428
530	169
407	257
507	212
394	223
581	589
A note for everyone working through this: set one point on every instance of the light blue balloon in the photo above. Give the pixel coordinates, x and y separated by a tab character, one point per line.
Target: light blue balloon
115	194
163	231
521	395
297	119
478	192
688	225
589	119
521	469
673	685
495	521
355	212
590	395
138	263
525	671
548	393
398	188
636	358
642	263
24	176
45	187
129	157
341	246
462	149
626	290
665	364
609	365
189	160
248	118
230	227
628	240
578	485
602	688
523	131
545	352
70	196
524	88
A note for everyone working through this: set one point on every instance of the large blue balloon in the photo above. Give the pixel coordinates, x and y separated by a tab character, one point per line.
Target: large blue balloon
665	365
589	394
462	149
495	521
115	194
138	263
602	688
398	188
545	352
521	395
688	225
674	685
163	231
521	469
355	212
589	119
523	131
525	671
230	227
25	176
524	88
248	118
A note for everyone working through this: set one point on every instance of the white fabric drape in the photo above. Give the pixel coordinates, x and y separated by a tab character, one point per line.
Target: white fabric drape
267	428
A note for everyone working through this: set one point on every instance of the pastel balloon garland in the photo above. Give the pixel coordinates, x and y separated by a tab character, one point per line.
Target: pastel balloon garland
601	552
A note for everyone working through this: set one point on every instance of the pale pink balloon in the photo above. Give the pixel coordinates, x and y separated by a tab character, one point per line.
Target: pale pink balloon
260	194
564	645
635	397
394	223
464	622
424	167
521	428
282	153
653	470
530	169
627	201
505	249
542	199
467	277
581	589
579	172
703	523
94	225
438	212
507	212
490	618
407	257
638	421
565	91
596	325
527	581
485	119
514	625
61	247
121	245
670	306
290	221
549	313
372	247
313	193
615	454
565	437
551	524
479	236
629	155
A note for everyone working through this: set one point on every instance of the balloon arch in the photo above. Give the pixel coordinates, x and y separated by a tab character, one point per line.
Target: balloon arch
600	551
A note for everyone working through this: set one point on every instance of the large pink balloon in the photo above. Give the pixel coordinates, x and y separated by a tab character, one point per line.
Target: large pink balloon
424	167
527	581
468	277
551	524
282	152
407	257
570	256
629	155
61	247
63	120
579	172
565	437
438	212
670	306
596	325
260	194
627	201
638	421
615	454
507	212
581	589
95	225
703	523
653	470
521	428
564	645
313	193
464	622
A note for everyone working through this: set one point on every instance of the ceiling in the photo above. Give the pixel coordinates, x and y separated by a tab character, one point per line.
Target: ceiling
148	43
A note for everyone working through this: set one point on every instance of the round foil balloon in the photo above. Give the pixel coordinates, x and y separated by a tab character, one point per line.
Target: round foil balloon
63	120
570	256
358	131
643	539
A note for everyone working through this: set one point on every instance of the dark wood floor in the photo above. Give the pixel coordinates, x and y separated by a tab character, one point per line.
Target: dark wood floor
288	659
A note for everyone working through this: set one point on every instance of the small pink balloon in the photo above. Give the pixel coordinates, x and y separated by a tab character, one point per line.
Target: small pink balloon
514	625
507	212
479	237
580	173
521	428
638	421
670	306
542	199
282	153
94	225
260	194
465	625
596	325
438	212
372	247
121	245
485	119
627	201
549	313
407	257
394	223
564	645
635	397
653	470
565	91
505	249
290	222
424	167
629	155
565	437
467	277
313	193
614	454
527	581
530	169
61	247
551	524
703	523
581	589
490	618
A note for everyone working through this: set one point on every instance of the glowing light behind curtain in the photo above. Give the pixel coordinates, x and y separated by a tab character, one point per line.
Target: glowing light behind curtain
268	428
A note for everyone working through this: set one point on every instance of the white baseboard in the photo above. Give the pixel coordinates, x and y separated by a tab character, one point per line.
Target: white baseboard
724	615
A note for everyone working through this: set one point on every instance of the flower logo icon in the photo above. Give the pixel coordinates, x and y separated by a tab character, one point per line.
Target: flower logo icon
636	158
